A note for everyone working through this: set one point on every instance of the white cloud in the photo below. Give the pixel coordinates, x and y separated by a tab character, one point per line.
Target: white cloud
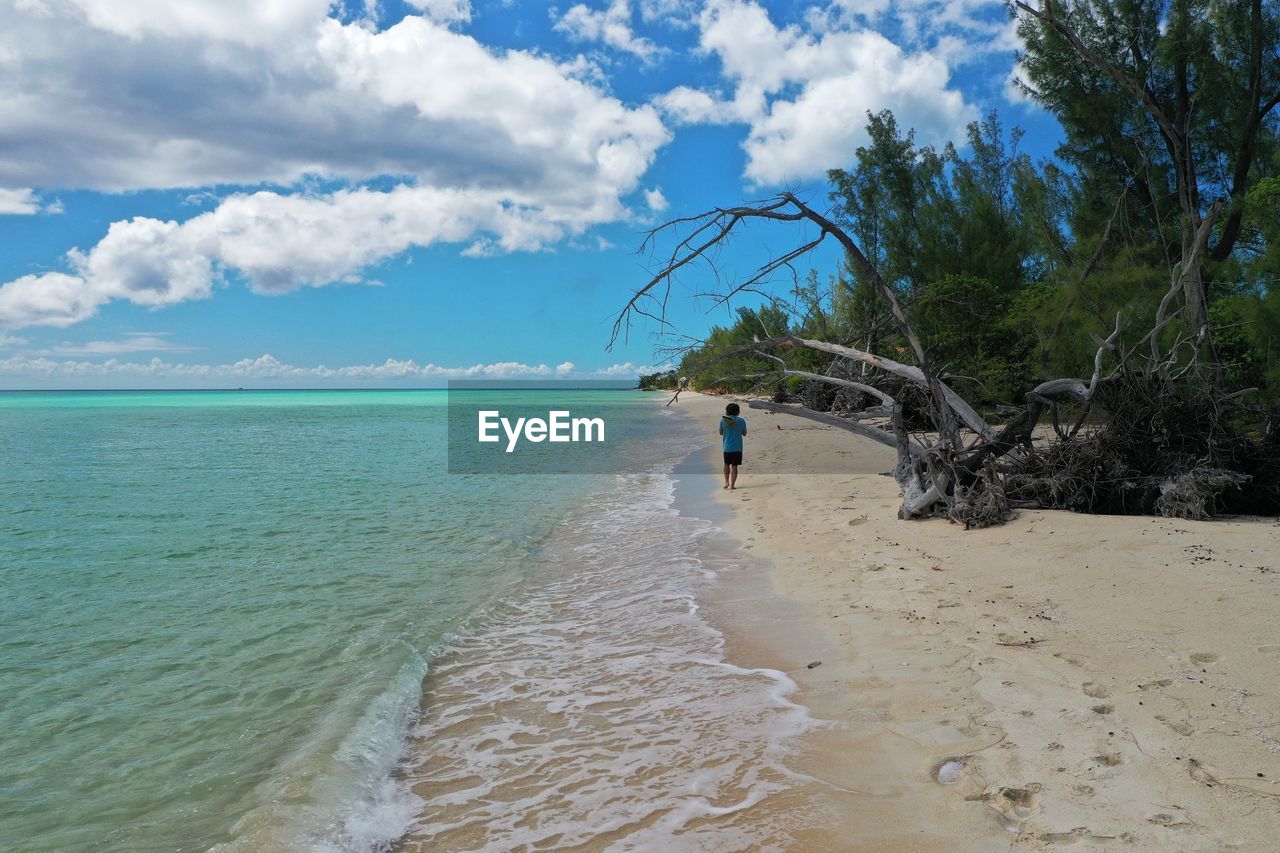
610	26
694	106
917	24
241	21
655	199
131	342
626	370
155	102
498	151
804	91
847	10
280	243
24	201
1013	90
45	372
680	14
444	11
49	299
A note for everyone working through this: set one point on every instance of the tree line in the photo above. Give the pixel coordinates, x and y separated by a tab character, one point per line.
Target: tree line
1011	270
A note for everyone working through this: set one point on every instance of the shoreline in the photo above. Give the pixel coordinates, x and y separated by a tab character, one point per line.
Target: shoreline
1106	681
599	707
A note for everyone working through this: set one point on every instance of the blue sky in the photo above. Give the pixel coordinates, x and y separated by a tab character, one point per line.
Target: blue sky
281	193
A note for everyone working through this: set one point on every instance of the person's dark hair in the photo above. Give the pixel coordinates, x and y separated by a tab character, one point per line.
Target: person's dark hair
732	409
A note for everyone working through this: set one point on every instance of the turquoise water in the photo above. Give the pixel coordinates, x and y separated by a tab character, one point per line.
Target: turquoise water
218	608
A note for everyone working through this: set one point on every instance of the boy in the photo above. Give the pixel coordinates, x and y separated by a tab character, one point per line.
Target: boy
732	429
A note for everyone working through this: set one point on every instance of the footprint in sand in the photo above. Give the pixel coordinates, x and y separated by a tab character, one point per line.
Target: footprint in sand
1178	726
1081	833
1204	657
1103	709
1095	691
1013	805
1165	819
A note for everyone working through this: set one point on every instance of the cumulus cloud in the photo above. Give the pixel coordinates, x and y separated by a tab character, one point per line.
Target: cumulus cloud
346	144
626	370
610	26
49	299
240	21
498	151
279	243
805	90
694	106
39	371
115	99
24	201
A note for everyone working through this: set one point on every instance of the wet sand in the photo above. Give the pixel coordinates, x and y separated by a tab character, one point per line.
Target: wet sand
596	709
1061	681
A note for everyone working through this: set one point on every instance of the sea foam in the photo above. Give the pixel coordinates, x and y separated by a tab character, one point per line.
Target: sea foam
598	708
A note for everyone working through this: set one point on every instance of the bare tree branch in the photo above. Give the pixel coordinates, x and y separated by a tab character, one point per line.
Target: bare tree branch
952	401
864	430
884	398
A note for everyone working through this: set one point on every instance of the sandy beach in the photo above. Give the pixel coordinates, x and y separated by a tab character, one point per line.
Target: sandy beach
1063	680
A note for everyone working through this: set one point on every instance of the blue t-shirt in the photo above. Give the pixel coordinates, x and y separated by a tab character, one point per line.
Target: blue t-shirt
732	434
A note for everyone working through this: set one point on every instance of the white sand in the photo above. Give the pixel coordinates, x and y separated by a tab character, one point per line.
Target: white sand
1103	682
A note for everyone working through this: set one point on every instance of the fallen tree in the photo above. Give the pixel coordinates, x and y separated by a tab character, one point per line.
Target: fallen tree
1154	434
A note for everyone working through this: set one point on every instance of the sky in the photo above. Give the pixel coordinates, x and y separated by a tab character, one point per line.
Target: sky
393	193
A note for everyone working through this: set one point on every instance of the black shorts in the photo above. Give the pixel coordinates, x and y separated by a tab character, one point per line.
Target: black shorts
733	457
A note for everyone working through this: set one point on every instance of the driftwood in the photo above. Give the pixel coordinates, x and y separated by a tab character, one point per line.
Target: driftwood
848	424
975	472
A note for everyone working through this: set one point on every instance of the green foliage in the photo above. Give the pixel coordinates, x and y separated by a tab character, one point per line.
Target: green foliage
1236	321
958	237
664	381
715	367
921	215
972	332
1208	67
1011	270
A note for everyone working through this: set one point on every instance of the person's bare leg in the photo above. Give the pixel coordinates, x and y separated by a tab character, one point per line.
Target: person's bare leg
726	476
733	476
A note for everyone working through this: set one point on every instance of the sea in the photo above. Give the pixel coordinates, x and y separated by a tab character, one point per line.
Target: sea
274	620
